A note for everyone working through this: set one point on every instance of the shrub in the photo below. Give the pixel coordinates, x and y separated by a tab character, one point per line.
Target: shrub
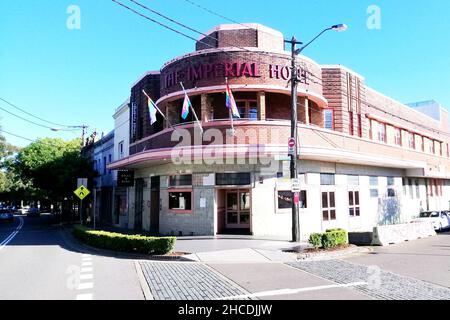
123	242
334	238
330	239
315	240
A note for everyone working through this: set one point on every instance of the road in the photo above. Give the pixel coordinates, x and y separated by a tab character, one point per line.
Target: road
42	263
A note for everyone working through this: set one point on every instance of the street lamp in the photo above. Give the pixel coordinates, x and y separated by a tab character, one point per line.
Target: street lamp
294	129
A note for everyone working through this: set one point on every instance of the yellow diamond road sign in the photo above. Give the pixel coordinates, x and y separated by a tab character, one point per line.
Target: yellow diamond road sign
82	192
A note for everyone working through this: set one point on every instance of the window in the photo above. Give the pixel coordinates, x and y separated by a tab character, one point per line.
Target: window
121	150
285	200
431	146
422	142
381	132
109	161
353	180
179	181
233	179
359	125
350	123
390	181
328	119
328	206
353	204
180	200
411	188
417	189
104	165
248	109
327	179
391	192
411	141
374	181
397	136
405	191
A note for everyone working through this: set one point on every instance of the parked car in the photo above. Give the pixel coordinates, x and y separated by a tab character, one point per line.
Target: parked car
6	216
34	213
440	219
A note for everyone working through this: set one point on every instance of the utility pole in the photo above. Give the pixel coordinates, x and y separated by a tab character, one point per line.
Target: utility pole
294	134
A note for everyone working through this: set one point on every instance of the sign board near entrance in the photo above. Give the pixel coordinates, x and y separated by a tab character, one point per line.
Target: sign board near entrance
295	185
125	179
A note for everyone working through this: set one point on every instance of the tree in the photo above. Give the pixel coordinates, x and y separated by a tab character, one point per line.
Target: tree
52	166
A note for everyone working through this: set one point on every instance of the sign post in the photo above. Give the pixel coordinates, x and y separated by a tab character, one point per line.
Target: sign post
82	192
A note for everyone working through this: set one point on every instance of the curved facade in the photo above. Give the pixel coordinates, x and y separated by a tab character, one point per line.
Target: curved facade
361	155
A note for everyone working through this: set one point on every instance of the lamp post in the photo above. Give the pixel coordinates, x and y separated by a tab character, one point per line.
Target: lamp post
294	130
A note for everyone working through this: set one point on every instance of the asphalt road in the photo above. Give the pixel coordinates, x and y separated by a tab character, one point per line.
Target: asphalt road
42	262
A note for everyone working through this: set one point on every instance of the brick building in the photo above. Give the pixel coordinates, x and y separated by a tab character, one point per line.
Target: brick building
364	159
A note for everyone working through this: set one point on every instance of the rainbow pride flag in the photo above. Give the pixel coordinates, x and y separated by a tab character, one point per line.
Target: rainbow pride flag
186	106
231	103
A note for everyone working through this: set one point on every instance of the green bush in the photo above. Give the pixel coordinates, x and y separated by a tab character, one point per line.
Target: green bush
330	239
334	238
315	240
123	242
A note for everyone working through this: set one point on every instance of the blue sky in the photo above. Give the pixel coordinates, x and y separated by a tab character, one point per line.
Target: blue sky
81	76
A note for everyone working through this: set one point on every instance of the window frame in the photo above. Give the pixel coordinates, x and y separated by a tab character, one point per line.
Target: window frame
180	190
329	208
330	111
356	207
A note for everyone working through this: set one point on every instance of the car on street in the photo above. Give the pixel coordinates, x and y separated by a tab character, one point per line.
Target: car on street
440	219
34	212
23	210
6	216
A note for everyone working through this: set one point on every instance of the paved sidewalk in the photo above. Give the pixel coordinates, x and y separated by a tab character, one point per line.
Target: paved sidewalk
187	281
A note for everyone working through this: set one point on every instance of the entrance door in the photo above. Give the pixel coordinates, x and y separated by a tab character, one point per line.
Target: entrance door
237	215
154	203
139	204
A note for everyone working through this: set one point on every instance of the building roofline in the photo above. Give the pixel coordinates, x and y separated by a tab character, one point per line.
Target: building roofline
239	26
153	72
340	66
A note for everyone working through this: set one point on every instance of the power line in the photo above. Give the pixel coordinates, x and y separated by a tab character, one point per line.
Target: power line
32	122
207	44
32	115
28	139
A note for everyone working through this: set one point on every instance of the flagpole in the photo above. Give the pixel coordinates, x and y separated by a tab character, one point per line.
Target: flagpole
192	108
164	116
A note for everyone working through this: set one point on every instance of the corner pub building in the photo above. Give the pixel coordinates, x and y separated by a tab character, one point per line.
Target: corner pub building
364	159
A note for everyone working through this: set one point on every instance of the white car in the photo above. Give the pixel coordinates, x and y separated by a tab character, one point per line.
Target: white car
440	219
23	210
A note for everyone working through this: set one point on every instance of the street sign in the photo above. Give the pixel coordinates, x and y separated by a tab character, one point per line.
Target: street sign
291	145
82	182
82	192
295	185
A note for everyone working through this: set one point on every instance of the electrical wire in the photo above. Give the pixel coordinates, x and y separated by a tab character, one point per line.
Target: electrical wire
32	115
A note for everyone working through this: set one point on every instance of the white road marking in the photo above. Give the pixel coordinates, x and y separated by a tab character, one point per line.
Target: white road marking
86	269
86	285
86	264
5	242
87	296
293	291
86	276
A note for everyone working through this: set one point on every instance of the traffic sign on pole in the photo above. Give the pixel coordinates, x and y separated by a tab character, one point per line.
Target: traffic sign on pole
295	185
291	145
82	192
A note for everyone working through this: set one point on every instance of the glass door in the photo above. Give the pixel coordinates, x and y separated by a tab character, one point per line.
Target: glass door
238	209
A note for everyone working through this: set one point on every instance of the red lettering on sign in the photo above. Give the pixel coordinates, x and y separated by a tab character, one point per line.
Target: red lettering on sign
246	70
229	70
285	73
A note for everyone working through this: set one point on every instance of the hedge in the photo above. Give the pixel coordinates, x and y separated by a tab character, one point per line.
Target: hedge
330	239
125	243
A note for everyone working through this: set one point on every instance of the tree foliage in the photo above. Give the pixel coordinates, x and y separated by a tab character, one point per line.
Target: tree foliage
51	167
